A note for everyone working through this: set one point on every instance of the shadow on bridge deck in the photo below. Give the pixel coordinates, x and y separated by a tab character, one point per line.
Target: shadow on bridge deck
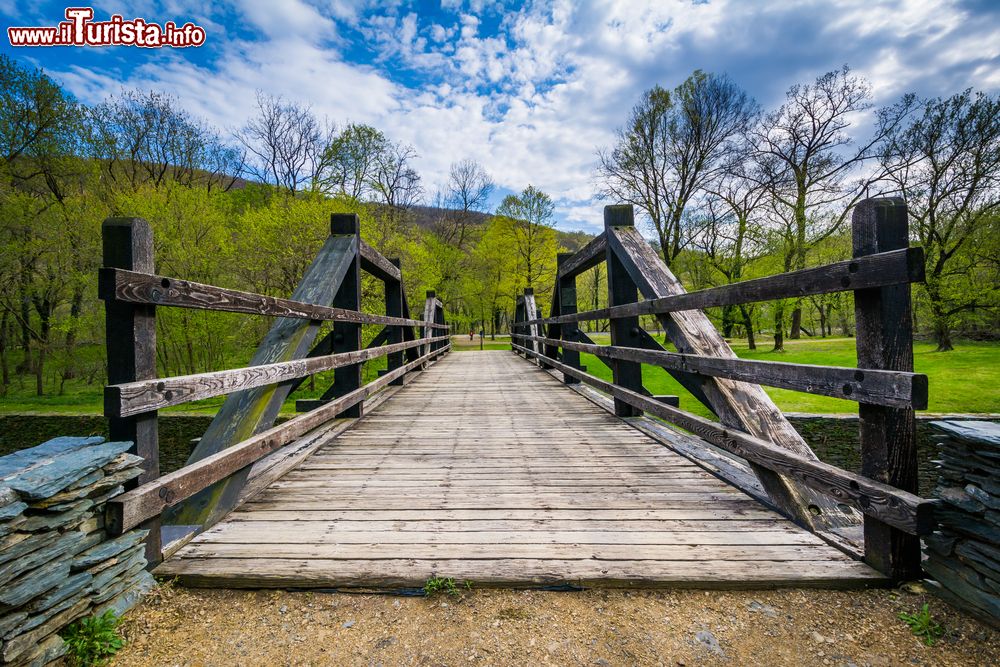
488	470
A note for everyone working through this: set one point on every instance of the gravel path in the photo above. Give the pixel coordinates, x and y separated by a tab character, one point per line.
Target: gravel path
178	626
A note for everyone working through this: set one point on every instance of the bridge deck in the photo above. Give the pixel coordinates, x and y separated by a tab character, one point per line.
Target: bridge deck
486	469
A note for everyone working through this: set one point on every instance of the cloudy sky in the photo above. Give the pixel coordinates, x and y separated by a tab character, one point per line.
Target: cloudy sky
531	90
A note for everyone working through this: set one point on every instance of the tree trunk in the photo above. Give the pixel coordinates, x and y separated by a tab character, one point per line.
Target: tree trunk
4	361
25	365
942	333
796	328
728	320
748	325
779	329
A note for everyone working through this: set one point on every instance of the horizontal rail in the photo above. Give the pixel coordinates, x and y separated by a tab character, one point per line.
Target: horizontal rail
132	398
376	264
887	268
587	257
875	387
906	511
148	500
132	287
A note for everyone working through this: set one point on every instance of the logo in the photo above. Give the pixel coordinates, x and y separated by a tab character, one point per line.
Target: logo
79	29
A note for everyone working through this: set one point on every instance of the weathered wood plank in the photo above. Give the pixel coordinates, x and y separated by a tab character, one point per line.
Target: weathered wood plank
876	387
886	268
885	341
901	509
131	398
378	265
148	288
587	257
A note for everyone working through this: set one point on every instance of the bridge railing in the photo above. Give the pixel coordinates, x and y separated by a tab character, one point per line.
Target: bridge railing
822	497
208	487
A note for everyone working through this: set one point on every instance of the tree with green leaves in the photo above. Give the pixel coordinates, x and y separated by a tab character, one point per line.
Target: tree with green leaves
672	145
532	236
946	164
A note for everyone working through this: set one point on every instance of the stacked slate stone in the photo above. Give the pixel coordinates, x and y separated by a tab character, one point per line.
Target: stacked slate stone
57	564
963	555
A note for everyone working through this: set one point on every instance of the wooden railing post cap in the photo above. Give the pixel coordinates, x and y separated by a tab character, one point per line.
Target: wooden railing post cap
431	294
395	261
619	215
528	291
345	223
879	224
128	243
563	257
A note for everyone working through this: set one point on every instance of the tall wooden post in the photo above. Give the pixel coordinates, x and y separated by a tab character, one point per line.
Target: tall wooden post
624	330
530	313
130	335
426	331
347	335
884	324
394	308
566	287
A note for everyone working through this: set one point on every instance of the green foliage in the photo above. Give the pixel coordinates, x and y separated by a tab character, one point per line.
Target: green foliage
444	585
923	626
93	640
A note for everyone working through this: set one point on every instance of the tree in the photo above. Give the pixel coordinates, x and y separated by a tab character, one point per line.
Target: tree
671	146
351	161
286	144
532	235
946	164
468	191
810	162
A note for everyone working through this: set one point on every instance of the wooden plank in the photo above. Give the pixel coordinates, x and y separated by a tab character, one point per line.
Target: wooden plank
885	342
876	387
901	509
887	268
130	341
127	510
347	335
394	308
739	405
587	257
131	398
378	265
412	573
148	288
622	290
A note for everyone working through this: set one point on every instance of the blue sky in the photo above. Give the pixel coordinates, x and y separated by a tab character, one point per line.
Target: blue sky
531	90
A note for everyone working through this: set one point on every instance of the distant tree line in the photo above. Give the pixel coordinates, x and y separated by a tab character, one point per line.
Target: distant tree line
730	191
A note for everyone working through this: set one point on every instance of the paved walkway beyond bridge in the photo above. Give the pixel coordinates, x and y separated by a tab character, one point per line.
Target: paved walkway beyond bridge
486	469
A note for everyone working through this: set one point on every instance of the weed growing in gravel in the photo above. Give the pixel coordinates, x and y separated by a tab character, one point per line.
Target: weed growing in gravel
923	625
436	585
93	640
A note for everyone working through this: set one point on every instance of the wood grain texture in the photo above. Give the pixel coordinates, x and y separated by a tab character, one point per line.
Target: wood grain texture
901	509
740	405
132	398
896	267
487	469
877	387
587	257
134	287
378	265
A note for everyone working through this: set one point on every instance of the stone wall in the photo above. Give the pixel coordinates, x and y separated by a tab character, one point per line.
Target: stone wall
56	562
963	555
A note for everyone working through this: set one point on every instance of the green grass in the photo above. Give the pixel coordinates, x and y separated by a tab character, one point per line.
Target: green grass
966	380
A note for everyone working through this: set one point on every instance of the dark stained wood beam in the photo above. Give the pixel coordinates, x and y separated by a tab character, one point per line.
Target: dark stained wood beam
587	257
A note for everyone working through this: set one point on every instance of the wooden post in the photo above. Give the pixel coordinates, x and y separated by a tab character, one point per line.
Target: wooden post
130	334
347	335
530	313
394	308
426	331
515	326
566	287
624	330
885	341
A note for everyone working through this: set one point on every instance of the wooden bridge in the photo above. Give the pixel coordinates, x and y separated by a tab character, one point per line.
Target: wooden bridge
521	469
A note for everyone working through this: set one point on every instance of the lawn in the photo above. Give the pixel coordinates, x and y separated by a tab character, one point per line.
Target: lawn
966	380
962	381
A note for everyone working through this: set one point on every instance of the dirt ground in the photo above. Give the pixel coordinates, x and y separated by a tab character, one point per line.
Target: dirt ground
176	626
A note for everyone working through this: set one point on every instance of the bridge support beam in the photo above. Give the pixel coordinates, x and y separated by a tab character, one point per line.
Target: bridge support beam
625	331
885	341
394	308
564	303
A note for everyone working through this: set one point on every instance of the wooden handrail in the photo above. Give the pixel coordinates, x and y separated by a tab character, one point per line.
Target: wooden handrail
895	267
877	387
132	398
905	511
147	288
149	500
